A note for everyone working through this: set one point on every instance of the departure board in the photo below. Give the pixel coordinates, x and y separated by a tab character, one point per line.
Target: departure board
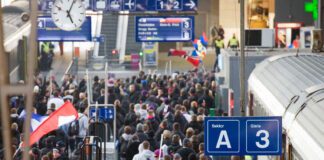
164	29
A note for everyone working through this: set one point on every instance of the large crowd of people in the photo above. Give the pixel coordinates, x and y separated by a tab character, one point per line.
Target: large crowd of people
157	115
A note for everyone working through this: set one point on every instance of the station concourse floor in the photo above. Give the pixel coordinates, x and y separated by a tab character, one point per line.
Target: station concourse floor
59	66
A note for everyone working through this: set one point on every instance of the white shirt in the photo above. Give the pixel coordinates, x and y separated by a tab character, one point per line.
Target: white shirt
187	116
57	101
145	155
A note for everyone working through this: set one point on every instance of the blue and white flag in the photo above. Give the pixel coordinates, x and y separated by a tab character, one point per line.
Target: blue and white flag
37	120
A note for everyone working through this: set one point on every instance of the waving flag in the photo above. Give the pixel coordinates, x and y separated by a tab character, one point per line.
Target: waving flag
196	57
61	116
36	121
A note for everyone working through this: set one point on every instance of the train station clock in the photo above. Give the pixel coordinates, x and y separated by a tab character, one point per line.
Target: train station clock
68	15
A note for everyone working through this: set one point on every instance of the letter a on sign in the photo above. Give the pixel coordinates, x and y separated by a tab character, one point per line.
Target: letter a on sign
223	135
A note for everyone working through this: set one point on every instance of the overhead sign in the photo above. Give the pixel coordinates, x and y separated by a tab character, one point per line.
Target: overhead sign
48	31
243	136
145	5
130	5
164	29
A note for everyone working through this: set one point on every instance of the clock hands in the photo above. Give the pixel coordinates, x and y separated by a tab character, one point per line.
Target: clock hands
69	11
71	6
69	15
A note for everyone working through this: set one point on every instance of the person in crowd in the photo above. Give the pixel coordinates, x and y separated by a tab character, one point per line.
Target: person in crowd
140	133
145	152
175	144
132	147
186	150
177	156
124	140
296	42
219	44
147	106
233	43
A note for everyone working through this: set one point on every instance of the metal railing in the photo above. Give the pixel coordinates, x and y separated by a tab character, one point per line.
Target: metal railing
99	113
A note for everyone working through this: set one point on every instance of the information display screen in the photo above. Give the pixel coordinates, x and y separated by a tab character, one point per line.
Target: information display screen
48	31
164	29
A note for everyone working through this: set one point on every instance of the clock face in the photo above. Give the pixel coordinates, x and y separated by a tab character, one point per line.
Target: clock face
68	14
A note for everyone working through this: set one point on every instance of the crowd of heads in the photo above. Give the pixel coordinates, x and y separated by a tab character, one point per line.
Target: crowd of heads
156	115
160	115
48	96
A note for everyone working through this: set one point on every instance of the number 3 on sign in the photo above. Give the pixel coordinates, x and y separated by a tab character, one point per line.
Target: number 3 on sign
264	138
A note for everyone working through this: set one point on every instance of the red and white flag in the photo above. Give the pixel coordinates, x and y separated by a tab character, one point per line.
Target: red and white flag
63	115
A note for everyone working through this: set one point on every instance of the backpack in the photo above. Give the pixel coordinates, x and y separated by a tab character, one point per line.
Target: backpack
74	128
96	91
123	147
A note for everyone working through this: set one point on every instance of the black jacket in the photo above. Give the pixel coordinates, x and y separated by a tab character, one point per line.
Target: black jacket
141	136
184	152
131	150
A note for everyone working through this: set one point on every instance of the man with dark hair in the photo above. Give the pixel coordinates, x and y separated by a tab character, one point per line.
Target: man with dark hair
49	145
175	144
163	126
133	94
96	87
177	130
186	150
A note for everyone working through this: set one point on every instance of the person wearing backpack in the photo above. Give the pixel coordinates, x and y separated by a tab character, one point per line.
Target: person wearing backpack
73	132
78	129
124	140
83	125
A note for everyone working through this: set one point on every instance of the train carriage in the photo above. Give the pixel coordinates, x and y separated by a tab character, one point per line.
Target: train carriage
292	86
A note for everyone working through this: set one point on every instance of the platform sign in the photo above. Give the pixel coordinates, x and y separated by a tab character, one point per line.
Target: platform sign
172	5
164	29
166	5
102	113
243	136
48	31
228	133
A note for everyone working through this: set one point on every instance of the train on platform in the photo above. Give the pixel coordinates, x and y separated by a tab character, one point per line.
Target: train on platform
292	86
16	26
